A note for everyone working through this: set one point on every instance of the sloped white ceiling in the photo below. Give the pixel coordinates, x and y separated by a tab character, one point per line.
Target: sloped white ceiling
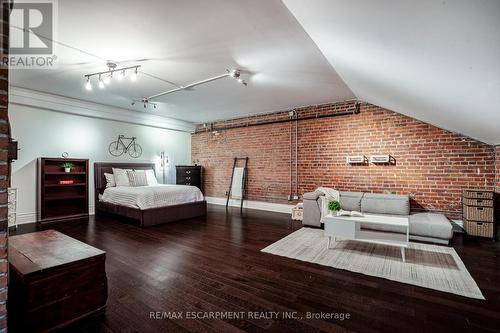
187	41
437	61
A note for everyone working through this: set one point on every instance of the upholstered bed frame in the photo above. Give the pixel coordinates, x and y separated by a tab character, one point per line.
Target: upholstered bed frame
146	217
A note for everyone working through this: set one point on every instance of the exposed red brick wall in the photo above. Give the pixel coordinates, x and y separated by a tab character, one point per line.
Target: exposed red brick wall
497	169
4	168
432	165
497	185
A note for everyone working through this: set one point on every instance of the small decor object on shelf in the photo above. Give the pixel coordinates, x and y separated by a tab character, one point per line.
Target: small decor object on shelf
118	147
333	205
66	182
67	166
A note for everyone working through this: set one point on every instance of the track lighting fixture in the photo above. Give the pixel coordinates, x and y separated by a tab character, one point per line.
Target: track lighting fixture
101	84
120	75
106	76
234	73
88	85
133	77
145	102
107	80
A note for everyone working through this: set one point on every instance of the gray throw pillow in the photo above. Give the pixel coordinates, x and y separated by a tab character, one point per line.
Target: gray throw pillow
137	178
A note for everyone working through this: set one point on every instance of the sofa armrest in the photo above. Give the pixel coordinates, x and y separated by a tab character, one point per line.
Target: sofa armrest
312	195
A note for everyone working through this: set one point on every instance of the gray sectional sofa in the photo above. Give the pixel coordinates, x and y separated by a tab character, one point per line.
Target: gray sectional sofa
426	227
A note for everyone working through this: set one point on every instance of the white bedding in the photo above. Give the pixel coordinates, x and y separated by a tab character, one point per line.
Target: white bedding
145	197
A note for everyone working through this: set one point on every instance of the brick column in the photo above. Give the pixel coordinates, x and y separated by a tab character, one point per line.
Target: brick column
497	169
4	163
497	185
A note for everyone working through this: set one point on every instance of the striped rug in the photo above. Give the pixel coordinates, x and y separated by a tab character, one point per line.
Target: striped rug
428	266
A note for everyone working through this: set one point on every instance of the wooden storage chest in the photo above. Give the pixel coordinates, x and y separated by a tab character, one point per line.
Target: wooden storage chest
54	281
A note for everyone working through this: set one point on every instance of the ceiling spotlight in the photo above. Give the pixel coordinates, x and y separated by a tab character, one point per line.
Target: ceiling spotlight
88	85
133	77
233	73
236	73
145	103
120	75
101	84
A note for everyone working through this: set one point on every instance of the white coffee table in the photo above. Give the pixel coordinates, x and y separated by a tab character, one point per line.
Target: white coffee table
348	227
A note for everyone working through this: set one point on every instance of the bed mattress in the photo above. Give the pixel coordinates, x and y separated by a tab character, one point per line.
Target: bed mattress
146	197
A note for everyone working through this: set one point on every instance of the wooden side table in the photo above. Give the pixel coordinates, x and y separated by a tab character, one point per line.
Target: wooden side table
54	281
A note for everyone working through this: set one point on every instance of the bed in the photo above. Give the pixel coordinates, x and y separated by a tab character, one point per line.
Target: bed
149	205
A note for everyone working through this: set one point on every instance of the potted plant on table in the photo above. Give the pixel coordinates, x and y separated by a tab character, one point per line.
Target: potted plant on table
333	206
67	166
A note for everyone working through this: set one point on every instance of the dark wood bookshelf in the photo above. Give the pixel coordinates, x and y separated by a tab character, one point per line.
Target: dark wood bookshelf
62	201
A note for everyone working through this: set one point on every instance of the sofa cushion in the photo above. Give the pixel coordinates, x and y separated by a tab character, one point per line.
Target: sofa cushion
431	225
375	203
351	200
312	195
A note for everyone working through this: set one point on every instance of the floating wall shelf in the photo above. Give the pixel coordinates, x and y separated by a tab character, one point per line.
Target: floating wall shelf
380	159
359	159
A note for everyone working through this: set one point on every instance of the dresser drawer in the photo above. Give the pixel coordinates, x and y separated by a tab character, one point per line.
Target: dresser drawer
482	214
482	229
477	194
478	202
184	172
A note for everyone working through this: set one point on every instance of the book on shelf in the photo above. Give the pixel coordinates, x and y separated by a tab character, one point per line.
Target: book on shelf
353	213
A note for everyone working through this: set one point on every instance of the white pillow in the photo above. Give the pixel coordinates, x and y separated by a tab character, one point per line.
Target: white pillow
110	180
121	178
137	178
150	175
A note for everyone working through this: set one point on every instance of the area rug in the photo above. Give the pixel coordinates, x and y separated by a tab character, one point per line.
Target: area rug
429	266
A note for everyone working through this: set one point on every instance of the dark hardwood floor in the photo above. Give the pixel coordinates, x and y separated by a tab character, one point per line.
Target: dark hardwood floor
214	264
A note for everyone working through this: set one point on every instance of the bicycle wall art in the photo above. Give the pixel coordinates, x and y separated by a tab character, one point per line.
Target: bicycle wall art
125	145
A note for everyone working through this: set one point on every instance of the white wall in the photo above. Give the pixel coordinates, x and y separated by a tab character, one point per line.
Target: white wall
44	133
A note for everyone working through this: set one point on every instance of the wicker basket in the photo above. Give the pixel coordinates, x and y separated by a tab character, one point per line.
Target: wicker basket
478	202
483	214
478	194
483	229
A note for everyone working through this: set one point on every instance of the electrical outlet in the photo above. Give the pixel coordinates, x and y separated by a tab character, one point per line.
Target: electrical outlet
295	197
226	193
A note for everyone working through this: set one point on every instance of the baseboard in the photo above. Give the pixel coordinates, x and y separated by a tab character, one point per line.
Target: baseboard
260	205
23	218
31	217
